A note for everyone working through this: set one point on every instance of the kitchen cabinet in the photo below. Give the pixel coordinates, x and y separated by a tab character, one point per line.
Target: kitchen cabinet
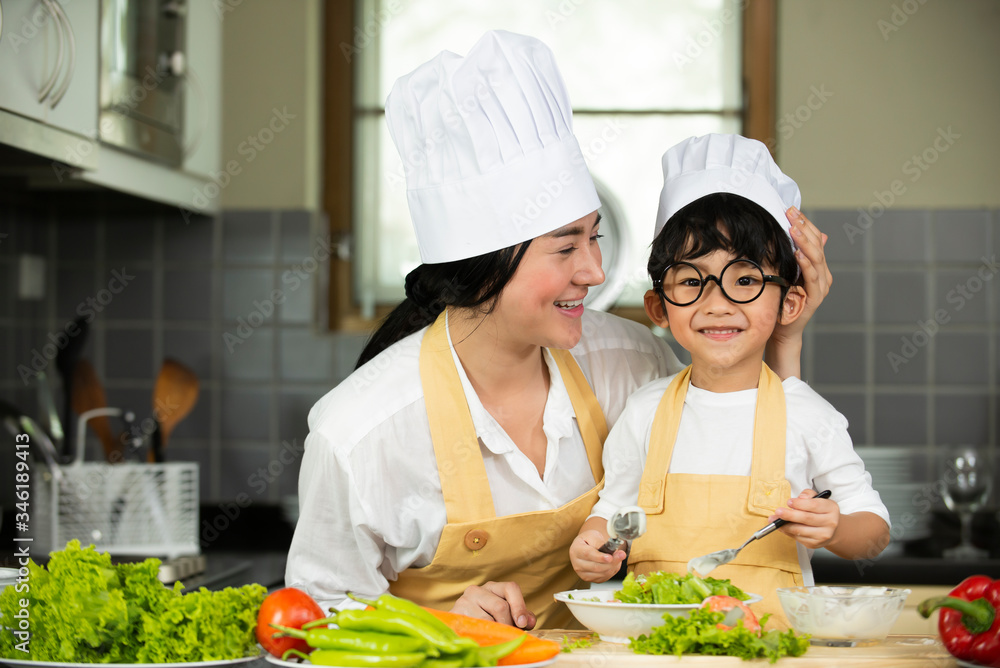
203	90
77	110
49	60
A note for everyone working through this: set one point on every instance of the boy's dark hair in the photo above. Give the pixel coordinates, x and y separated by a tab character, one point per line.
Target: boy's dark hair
728	222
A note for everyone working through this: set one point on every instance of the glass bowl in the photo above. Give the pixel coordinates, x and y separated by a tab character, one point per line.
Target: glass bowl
615	621
843	616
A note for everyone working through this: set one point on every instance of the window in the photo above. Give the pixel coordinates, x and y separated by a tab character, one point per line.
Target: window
641	74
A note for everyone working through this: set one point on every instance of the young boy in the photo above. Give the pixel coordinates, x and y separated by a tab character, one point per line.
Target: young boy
717	451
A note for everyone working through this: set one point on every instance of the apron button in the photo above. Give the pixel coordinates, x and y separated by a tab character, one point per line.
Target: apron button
476	539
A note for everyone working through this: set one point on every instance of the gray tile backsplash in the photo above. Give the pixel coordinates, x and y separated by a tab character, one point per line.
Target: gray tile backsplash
960	235
929	331
900	297
248	237
906	346
840	358
201	294
900	419
898	361
900	236
846	302
961	359
961	419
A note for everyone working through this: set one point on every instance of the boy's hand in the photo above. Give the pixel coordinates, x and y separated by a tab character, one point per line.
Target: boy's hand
591	564
812	522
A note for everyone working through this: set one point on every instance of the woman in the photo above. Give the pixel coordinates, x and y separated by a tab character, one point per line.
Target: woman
456	464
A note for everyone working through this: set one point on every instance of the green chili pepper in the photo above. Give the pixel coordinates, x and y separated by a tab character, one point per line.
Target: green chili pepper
442	663
326	621
394	622
358	641
294	652
332	657
491	654
405	606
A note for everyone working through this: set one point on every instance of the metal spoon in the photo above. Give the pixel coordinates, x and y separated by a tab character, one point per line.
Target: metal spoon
626	524
708	563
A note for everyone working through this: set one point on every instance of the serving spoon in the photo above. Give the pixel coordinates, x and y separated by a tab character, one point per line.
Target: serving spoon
625	524
702	566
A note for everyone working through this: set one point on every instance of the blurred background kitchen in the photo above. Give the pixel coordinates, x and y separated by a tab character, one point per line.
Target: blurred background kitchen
211	183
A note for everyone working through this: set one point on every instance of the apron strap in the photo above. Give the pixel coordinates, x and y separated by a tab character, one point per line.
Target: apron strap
768	486
464	484
589	416
666	421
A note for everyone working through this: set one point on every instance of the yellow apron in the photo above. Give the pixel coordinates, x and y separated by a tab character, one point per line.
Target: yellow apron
689	515
476	546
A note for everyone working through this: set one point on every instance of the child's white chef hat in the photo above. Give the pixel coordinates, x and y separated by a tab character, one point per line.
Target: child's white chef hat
714	163
488	148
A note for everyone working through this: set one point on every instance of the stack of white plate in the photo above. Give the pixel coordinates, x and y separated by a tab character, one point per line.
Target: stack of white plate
904	478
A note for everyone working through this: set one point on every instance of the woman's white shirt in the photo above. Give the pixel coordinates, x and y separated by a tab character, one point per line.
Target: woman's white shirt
369	491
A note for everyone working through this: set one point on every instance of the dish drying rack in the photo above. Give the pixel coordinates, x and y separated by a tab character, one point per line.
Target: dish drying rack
127	508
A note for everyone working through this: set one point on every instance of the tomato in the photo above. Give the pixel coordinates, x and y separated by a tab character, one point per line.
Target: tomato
727	603
285	607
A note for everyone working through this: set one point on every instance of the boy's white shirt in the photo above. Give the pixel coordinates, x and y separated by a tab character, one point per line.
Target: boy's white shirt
716	437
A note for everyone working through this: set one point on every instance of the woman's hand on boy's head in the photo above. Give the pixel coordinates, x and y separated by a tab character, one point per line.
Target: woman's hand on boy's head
589	562
812	522
816	276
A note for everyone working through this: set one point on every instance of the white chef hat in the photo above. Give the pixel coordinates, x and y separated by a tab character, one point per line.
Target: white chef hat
488	148
715	163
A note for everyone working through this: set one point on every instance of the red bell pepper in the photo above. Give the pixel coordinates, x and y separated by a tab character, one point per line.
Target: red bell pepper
970	620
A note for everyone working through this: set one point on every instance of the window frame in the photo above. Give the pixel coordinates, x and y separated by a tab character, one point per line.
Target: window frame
759	29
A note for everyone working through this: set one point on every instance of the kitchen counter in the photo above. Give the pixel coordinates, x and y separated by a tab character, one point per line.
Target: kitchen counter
900	651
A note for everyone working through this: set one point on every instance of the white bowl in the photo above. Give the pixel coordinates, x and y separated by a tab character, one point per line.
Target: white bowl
843	616
615	621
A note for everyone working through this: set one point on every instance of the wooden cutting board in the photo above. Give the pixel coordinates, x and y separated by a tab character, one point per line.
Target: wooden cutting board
896	651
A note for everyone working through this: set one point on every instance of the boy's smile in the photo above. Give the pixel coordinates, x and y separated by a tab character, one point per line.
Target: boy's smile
726	340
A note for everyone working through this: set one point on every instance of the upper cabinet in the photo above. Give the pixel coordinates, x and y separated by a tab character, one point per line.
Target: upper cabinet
49	60
124	94
203	89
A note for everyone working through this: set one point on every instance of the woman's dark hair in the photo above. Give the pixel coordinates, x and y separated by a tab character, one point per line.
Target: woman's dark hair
728	222
470	283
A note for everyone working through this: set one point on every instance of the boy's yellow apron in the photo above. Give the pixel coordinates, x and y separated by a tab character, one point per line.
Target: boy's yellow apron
476	546
689	515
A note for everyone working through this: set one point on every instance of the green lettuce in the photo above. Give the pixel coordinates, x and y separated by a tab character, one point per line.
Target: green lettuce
84	609
674	588
698	633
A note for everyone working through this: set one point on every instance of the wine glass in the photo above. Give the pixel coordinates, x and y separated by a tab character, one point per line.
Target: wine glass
965	486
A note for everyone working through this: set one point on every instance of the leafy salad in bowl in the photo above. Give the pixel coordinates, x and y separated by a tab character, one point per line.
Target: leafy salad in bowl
642	601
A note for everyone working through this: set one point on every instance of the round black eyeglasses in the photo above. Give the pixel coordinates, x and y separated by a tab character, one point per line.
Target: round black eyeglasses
741	281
